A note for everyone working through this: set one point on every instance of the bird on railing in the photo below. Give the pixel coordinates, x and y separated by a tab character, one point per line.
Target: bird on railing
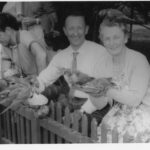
15	91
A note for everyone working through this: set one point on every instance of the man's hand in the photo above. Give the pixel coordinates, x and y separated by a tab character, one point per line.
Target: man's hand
34	83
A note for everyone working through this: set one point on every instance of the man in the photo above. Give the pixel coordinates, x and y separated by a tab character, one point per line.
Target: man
90	59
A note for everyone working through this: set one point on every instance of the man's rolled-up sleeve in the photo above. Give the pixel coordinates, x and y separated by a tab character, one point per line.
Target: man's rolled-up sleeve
49	75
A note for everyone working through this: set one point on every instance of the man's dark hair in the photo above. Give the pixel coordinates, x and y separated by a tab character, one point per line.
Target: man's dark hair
75	13
7	20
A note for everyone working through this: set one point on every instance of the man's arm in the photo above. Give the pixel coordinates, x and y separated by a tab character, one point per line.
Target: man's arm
51	73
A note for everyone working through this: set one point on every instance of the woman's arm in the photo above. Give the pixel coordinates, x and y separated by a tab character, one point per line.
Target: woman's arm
40	56
134	93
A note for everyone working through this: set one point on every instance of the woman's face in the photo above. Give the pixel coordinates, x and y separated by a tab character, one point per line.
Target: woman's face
113	38
4	38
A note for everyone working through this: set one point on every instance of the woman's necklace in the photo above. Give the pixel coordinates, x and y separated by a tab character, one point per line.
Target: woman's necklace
119	66
117	71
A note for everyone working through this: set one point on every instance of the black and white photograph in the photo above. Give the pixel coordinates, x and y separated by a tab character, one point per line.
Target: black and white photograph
74	72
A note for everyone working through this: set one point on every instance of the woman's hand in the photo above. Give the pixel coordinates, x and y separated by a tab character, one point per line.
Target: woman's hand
97	87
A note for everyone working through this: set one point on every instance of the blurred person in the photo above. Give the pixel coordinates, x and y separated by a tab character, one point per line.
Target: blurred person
23	51
39	18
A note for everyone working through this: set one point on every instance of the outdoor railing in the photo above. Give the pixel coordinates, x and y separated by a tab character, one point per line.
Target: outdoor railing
19	125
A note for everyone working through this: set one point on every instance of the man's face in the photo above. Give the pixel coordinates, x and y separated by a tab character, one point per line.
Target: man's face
75	30
4	38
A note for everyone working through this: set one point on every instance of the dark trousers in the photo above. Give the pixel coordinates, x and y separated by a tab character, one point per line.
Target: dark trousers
99	114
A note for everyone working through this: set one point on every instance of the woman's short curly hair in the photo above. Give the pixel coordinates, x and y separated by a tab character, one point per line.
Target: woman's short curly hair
7	20
115	18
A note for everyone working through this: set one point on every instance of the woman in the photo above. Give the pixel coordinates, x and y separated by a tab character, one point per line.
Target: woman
25	54
130	114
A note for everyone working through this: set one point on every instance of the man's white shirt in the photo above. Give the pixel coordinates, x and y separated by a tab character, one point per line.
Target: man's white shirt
91	60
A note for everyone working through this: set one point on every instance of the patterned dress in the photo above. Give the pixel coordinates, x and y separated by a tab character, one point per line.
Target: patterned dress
131	123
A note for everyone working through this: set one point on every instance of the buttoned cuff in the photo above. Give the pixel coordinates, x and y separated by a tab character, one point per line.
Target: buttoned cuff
41	85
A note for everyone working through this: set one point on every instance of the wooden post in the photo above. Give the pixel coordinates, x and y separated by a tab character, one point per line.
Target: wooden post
94	129
52	115
103	133
8	125
67	120
13	122
76	119
45	136
115	135
5	125
28	131
35	131
18	128
22	130
84	125
59	119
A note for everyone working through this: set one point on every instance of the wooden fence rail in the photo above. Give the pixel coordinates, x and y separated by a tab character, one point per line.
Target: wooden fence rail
19	125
